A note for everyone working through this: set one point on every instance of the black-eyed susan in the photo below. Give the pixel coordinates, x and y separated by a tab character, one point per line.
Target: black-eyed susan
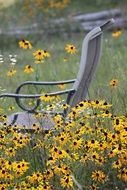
35	177
46	98
41	54
94	187
11	72
39	61
117	164
10	151
94	156
65	106
11	108
112	154
56	97
117	33
61	86
63	138
51	107
123	158
77	143
74	156
93	143
46	53
36	127
70	48
66	181
123	174
84	157
99	176
48	174
113	83
25	44
3	118
28	69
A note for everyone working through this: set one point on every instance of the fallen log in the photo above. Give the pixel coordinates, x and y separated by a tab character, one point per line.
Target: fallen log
98	15
84	22
120	23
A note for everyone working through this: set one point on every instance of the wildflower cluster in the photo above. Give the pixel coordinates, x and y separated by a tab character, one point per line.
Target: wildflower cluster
38	6
11	168
86	150
25	44
39	55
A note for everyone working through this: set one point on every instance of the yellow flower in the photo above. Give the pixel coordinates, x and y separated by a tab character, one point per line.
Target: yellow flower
99	176
46	98
38	54
113	83
94	156
65	106
116	33
20	167
11	108
70	49
46	53
117	164
36	127
41	54
39	61
48	174
77	143
63	138
94	187
11	73
25	44
66	181
28	69
84	157
123	174
10	151
61	86
106	113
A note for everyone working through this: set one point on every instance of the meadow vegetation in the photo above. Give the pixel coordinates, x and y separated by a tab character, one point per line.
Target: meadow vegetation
85	151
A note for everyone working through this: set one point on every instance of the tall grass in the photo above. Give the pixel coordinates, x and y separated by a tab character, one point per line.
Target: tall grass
112	66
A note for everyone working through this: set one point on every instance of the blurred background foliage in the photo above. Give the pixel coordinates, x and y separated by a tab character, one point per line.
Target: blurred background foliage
22	12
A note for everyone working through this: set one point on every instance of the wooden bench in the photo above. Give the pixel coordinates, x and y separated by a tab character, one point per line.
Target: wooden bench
90	55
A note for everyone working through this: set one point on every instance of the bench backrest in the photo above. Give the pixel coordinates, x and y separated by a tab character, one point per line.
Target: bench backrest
90	55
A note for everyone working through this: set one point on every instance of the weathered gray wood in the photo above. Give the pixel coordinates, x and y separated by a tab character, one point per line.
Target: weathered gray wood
98	15
91	50
26	120
119	23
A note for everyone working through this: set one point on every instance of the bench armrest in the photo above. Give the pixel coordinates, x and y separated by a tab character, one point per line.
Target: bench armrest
38	83
33	96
